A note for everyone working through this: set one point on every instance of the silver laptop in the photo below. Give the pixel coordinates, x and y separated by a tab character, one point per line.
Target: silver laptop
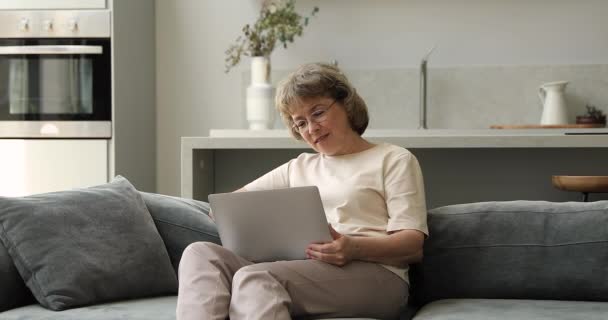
270	225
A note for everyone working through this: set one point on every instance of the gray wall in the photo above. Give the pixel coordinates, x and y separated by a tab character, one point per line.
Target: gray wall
134	140
380	44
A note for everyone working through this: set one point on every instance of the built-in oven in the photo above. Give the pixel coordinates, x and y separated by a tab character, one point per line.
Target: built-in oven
55	74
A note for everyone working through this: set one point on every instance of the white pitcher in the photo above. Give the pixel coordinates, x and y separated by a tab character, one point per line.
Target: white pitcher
552	96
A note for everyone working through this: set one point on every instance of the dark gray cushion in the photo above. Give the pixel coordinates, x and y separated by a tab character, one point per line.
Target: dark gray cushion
180	222
85	246
515	250
13	292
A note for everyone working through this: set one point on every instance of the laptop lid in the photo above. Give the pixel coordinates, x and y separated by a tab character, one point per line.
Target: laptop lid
270	225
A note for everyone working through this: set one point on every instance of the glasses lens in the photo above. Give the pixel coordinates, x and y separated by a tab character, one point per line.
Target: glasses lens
300	126
318	116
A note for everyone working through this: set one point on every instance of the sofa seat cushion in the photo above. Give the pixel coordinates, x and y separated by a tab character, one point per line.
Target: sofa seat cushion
158	308
505	309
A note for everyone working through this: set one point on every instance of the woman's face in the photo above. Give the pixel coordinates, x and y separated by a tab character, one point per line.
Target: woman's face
323	124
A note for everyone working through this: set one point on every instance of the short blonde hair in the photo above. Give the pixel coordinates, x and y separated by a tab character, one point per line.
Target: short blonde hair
320	80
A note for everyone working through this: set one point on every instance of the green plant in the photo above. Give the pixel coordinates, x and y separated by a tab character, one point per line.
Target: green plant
594	112
278	21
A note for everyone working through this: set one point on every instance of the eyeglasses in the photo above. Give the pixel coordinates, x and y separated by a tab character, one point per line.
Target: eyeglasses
318	116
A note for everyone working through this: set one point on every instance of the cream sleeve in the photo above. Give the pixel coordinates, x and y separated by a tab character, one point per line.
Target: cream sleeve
404	192
277	178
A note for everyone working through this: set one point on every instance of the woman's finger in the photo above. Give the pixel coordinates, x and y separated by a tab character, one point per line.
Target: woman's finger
316	255
324	248
334	259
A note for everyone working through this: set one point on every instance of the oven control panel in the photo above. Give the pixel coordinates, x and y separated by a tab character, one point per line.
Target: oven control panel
55	24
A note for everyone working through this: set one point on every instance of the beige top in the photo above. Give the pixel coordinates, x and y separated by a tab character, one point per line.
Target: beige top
368	193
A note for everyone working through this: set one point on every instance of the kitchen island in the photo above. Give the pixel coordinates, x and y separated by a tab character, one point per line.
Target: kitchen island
458	165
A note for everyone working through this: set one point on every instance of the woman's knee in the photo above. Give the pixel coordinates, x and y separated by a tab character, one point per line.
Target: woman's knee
200	250
255	273
197	248
197	254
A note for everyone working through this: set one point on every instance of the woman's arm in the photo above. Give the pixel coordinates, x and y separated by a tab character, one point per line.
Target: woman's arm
398	248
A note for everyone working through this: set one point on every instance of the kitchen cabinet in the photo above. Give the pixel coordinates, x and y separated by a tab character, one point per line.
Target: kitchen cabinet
51	4
30	166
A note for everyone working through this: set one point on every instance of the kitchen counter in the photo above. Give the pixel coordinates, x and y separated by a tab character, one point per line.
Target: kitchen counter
430	138
227	159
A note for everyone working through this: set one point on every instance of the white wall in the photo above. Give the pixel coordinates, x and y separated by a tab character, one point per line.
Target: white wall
194	95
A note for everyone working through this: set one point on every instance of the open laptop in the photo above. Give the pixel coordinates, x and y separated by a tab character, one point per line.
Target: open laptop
270	225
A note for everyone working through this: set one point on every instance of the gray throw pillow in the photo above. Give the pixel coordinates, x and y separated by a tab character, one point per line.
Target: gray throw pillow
85	246
180	222
13	292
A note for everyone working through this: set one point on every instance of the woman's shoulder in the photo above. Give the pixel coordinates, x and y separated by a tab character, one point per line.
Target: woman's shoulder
394	151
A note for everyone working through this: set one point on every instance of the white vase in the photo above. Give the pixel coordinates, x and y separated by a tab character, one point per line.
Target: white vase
553	97
260	95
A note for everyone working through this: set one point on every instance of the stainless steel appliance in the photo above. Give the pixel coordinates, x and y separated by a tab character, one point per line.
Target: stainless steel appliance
55	74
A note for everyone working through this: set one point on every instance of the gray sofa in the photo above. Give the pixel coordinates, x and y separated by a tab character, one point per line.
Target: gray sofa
492	260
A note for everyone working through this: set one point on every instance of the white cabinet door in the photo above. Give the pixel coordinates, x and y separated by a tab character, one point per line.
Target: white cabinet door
52	4
36	166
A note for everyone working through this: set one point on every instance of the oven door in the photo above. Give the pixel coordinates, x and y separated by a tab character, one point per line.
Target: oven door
58	88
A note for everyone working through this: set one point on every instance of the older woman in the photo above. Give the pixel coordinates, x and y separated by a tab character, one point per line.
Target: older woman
373	196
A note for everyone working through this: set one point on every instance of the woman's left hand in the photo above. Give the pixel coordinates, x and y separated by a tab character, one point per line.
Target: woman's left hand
338	252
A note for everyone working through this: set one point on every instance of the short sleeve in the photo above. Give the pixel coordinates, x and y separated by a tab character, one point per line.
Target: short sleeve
404	192
277	178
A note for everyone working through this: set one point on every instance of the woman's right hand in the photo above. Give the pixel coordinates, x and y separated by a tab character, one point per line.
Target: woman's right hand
339	252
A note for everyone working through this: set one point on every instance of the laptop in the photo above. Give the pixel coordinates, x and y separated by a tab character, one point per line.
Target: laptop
270	225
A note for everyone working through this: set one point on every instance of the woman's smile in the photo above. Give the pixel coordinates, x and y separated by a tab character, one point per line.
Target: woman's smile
321	138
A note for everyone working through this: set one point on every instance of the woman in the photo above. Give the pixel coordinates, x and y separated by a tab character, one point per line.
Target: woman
373	196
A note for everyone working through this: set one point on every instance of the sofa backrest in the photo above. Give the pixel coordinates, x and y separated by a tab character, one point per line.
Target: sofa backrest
515	250
180	222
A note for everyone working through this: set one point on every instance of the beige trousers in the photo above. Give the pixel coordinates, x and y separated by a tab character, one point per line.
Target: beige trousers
215	283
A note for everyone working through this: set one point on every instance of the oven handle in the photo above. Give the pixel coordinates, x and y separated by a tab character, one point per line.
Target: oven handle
7	50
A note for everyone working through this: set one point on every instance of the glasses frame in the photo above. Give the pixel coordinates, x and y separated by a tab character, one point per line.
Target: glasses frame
309	119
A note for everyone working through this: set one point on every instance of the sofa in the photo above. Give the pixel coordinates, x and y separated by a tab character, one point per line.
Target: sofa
490	260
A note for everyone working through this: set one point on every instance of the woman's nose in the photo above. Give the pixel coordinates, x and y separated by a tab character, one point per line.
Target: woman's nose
313	126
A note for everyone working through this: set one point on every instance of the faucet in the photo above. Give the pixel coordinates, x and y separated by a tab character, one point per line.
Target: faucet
423	77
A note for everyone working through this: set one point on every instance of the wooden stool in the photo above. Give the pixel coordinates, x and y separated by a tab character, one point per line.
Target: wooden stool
584	184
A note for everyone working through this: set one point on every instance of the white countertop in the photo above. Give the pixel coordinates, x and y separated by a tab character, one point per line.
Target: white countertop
429	138
380	133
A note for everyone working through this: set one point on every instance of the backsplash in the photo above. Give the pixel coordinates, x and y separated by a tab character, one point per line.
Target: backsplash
473	97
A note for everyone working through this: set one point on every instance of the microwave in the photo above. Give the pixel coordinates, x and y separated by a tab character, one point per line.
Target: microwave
55	74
